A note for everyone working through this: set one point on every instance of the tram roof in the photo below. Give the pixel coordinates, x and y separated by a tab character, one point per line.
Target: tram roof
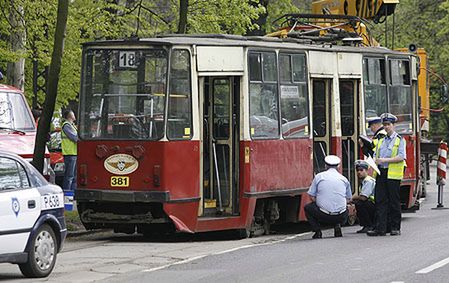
243	41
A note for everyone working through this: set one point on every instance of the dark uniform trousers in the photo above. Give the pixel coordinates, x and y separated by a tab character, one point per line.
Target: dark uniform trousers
365	212
388	202
315	216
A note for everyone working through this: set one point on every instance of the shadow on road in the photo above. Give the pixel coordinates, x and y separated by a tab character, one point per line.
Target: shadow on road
228	235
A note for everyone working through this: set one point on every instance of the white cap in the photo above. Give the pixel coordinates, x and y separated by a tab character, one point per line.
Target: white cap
332	160
388	118
373	120
361	164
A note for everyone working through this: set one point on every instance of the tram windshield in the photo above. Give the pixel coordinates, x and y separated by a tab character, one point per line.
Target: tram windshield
123	94
399	95
375	88
400	100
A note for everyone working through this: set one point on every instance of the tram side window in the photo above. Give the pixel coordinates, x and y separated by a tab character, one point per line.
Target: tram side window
264	121
294	110
179	108
401	94
375	86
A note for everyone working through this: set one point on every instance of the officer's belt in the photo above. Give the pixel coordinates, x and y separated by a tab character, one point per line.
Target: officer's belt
332	213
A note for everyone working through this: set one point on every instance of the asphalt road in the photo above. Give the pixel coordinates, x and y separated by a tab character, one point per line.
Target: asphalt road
288	256
353	258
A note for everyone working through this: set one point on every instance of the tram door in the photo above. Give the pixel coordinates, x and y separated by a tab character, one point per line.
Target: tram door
322	89
348	110
220	145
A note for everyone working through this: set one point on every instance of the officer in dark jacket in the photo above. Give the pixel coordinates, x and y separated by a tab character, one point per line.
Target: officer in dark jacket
376	127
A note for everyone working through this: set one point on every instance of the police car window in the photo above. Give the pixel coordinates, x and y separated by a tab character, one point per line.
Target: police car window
37	179
12	175
23	177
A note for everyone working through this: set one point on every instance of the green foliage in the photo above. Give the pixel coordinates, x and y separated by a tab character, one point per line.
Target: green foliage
109	19
222	16
422	22
277	9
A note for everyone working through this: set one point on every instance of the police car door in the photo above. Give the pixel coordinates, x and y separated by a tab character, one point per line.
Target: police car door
19	206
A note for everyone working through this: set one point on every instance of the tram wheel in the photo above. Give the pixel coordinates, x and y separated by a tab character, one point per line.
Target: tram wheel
266	226
243	233
423	192
155	236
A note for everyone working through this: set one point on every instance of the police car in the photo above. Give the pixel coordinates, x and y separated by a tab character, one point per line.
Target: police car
32	225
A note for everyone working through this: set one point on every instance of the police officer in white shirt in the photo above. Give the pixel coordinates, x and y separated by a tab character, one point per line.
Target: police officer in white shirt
364	202
330	192
390	156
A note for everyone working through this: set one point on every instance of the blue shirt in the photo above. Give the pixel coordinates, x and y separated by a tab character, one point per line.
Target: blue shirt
368	185
387	147
331	189
70	132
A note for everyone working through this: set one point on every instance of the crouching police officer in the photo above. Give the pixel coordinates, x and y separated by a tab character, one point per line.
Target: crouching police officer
364	202
390	157
330	191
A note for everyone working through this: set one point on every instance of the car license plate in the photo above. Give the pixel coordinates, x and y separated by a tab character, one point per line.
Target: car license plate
119	181
52	201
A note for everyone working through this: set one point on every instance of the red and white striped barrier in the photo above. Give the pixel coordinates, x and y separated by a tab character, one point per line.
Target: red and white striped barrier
441	166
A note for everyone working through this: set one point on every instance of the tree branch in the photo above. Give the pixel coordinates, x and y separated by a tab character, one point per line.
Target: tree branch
4	15
155	14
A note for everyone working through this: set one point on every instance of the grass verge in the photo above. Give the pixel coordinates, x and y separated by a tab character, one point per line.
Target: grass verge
73	221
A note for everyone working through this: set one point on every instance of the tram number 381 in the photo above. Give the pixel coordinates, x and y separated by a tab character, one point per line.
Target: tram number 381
119	181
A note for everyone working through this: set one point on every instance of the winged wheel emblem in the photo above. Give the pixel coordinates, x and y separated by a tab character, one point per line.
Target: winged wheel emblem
121	164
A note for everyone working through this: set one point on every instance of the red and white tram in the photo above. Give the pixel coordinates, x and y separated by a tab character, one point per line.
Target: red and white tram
214	132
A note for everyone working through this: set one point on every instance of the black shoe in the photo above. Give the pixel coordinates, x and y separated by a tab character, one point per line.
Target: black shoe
317	235
395	233
364	230
337	231
375	233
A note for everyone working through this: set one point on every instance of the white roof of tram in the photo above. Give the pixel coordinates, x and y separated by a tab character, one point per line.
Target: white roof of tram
237	40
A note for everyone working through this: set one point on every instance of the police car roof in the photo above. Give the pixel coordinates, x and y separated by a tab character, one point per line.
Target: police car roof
8	88
9	154
12	155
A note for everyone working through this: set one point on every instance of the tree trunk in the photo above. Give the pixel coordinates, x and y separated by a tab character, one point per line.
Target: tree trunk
52	88
261	20
16	70
183	8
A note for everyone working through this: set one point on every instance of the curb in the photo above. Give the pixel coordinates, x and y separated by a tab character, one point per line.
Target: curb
75	234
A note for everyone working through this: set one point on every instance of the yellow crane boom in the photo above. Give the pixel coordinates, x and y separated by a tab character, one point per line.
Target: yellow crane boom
373	10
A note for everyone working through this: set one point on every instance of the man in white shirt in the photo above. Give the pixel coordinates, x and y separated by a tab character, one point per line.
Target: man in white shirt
364	201
330	192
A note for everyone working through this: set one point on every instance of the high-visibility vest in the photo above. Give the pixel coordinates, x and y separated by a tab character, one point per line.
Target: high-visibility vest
68	146
371	197
396	169
380	134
